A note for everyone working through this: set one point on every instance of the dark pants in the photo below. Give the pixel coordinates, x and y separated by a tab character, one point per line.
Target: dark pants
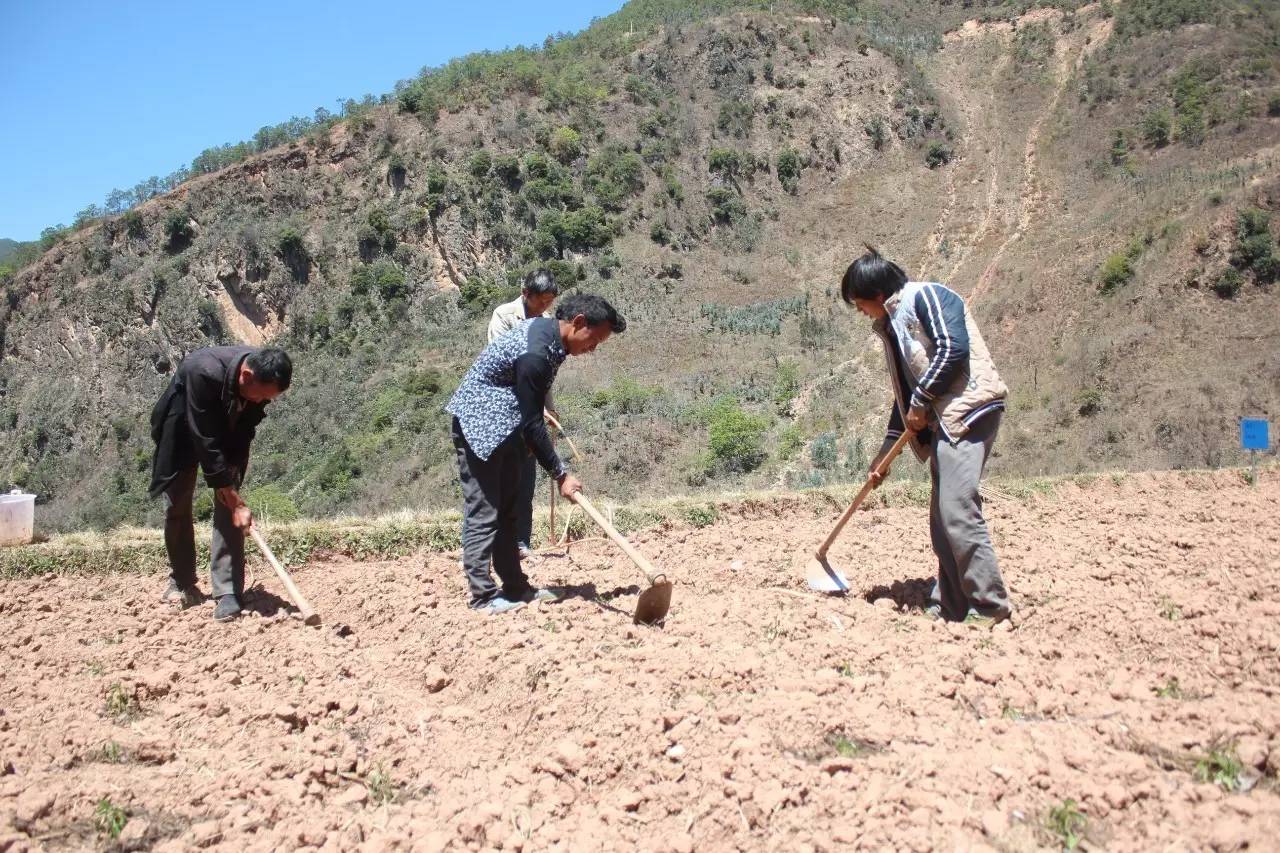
528	484
226	557
968	575
491	494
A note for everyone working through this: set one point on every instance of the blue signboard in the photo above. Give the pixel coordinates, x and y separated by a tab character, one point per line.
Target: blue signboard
1254	434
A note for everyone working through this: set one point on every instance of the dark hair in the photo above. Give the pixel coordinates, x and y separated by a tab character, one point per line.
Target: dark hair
271	365
870	276
594	308
541	281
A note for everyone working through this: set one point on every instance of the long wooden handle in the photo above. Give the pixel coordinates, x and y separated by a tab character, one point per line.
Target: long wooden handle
636	557
309	616
880	469
551	419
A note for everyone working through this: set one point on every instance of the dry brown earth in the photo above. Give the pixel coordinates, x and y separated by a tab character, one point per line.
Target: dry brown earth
1147	635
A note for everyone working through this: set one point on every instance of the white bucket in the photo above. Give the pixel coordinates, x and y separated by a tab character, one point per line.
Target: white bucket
17	518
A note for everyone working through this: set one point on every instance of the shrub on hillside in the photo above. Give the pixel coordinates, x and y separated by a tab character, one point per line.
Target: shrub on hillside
269	503
735	438
479	163
1118	269
1157	128
133	224
1228	283
565	144
727	206
507	167
876	131
614	175
937	155
178	231
735	118
788	168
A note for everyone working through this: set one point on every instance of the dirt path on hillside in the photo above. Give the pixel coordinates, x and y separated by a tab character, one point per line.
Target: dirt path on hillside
762	717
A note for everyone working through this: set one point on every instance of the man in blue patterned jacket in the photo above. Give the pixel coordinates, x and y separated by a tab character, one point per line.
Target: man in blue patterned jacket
497	422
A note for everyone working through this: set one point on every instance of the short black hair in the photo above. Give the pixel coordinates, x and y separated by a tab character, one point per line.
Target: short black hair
870	276
272	365
595	308
541	281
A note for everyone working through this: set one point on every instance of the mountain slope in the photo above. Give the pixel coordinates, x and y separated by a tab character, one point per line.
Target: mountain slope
713	176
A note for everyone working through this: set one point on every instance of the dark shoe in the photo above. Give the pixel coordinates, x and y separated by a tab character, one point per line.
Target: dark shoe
499	605
186	596
228	608
523	550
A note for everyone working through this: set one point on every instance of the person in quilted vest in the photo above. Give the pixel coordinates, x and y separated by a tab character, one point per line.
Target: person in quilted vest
949	396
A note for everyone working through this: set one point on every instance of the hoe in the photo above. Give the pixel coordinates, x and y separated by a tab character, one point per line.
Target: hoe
820	574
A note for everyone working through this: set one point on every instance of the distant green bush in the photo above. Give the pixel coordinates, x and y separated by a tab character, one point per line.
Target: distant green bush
1228	283
876	131
1157	128
735	118
565	144
178	230
133	224
727	206
735	438
479	163
788	167
615	175
1136	18
507	167
1255	248
269	503
937	155
1118	269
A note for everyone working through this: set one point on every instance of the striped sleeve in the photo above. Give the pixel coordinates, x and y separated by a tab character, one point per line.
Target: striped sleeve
941	313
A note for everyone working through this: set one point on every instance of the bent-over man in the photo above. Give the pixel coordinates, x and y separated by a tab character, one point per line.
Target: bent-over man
497	422
207	418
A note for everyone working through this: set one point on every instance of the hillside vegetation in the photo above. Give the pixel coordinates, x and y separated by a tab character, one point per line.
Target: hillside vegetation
1098	180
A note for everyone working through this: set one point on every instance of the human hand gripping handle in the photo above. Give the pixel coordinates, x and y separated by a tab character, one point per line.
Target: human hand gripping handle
241	515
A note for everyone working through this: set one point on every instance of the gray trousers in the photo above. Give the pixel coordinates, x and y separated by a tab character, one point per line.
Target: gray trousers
528	483
226	553
491	497
968	576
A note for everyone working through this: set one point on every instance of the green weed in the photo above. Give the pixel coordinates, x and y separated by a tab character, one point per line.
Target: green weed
109	819
1068	824
120	704
382	788
1221	766
1171	689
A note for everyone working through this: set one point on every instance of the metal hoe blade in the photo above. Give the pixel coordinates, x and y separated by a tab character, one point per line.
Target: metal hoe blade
824	577
654	602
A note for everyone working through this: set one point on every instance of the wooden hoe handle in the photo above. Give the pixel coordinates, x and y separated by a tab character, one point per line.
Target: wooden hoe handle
880	469
551	419
309	616
636	557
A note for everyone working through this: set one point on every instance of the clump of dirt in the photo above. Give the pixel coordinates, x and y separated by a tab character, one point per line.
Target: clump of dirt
1134	704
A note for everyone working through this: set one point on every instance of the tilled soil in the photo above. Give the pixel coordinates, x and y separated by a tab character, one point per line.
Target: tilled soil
762	716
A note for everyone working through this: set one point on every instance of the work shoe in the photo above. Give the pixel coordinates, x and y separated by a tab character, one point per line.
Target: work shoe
539	594
228	608
500	605
524	552
186	596
975	617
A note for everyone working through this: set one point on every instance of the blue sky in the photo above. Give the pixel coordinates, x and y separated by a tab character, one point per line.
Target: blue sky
103	95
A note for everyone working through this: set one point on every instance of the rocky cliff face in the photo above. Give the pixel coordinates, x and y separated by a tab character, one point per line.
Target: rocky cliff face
713	178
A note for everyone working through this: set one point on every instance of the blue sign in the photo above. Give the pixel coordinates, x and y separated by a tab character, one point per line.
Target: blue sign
1254	434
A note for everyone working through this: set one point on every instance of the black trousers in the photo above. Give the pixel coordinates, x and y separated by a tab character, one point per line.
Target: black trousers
491	496
226	558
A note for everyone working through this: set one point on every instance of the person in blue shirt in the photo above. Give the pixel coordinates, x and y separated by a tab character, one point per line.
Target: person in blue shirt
497	422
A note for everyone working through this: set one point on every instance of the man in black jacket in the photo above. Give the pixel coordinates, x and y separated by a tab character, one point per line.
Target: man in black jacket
497	422
207	417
